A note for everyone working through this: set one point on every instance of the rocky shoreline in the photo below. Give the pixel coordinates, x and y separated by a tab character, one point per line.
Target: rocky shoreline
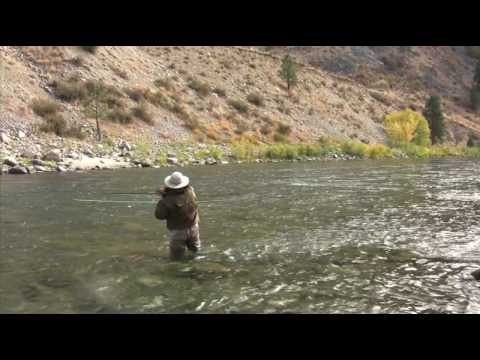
58	161
22	154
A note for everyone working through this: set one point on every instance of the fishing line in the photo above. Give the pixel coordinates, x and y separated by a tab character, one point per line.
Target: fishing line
126	201
116	201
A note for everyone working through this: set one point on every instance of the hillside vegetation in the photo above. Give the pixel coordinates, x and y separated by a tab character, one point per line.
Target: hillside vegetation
229	94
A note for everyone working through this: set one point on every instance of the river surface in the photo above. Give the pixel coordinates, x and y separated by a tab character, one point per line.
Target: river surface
312	237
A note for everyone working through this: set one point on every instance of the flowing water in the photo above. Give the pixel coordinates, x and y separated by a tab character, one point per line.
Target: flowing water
313	237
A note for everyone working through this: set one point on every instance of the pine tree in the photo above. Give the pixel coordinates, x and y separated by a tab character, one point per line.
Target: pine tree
476	78
475	99
96	107
1	82
436	120
475	92
288	72
471	140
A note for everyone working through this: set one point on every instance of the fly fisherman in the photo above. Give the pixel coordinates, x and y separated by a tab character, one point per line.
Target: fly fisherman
179	207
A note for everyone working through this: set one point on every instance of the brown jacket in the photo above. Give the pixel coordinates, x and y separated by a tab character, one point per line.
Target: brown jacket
178	207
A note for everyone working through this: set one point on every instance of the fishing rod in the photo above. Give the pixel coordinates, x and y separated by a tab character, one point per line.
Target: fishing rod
146	193
159	192
115	201
130	201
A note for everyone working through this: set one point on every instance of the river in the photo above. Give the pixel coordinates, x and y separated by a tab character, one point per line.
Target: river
311	237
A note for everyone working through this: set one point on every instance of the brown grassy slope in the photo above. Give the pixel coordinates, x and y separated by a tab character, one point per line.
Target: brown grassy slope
420	70
323	103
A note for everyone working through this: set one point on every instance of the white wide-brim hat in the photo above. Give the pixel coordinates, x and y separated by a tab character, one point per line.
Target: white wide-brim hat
176	181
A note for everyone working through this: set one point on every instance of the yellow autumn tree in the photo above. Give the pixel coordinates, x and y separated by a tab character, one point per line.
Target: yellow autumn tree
407	126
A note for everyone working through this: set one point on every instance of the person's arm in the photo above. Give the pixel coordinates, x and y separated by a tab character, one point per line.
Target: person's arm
197	215
160	191
193	193
161	211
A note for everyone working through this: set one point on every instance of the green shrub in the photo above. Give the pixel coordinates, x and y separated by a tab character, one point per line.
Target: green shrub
119	72
44	107
416	151
108	99
413	150
379	151
284	109
422	134
201	88
241	127
239	105
106	94
301	149
176	98
199	155
70	91
284	129
472	151
212	151
407	126
266	129
54	123
179	109
161	159
245	151
190	121
89	49
141	112
315	150
113	102
119	115
108	142
354	148
226	63
93	85
158	99
77	61
473	51
248	151
165	83
256	99
332	147
75	132
381	97
136	94
267	120
444	150
142	148
279	151
290	152
279	138
220	91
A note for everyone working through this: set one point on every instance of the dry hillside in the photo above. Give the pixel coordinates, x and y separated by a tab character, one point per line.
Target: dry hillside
217	94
